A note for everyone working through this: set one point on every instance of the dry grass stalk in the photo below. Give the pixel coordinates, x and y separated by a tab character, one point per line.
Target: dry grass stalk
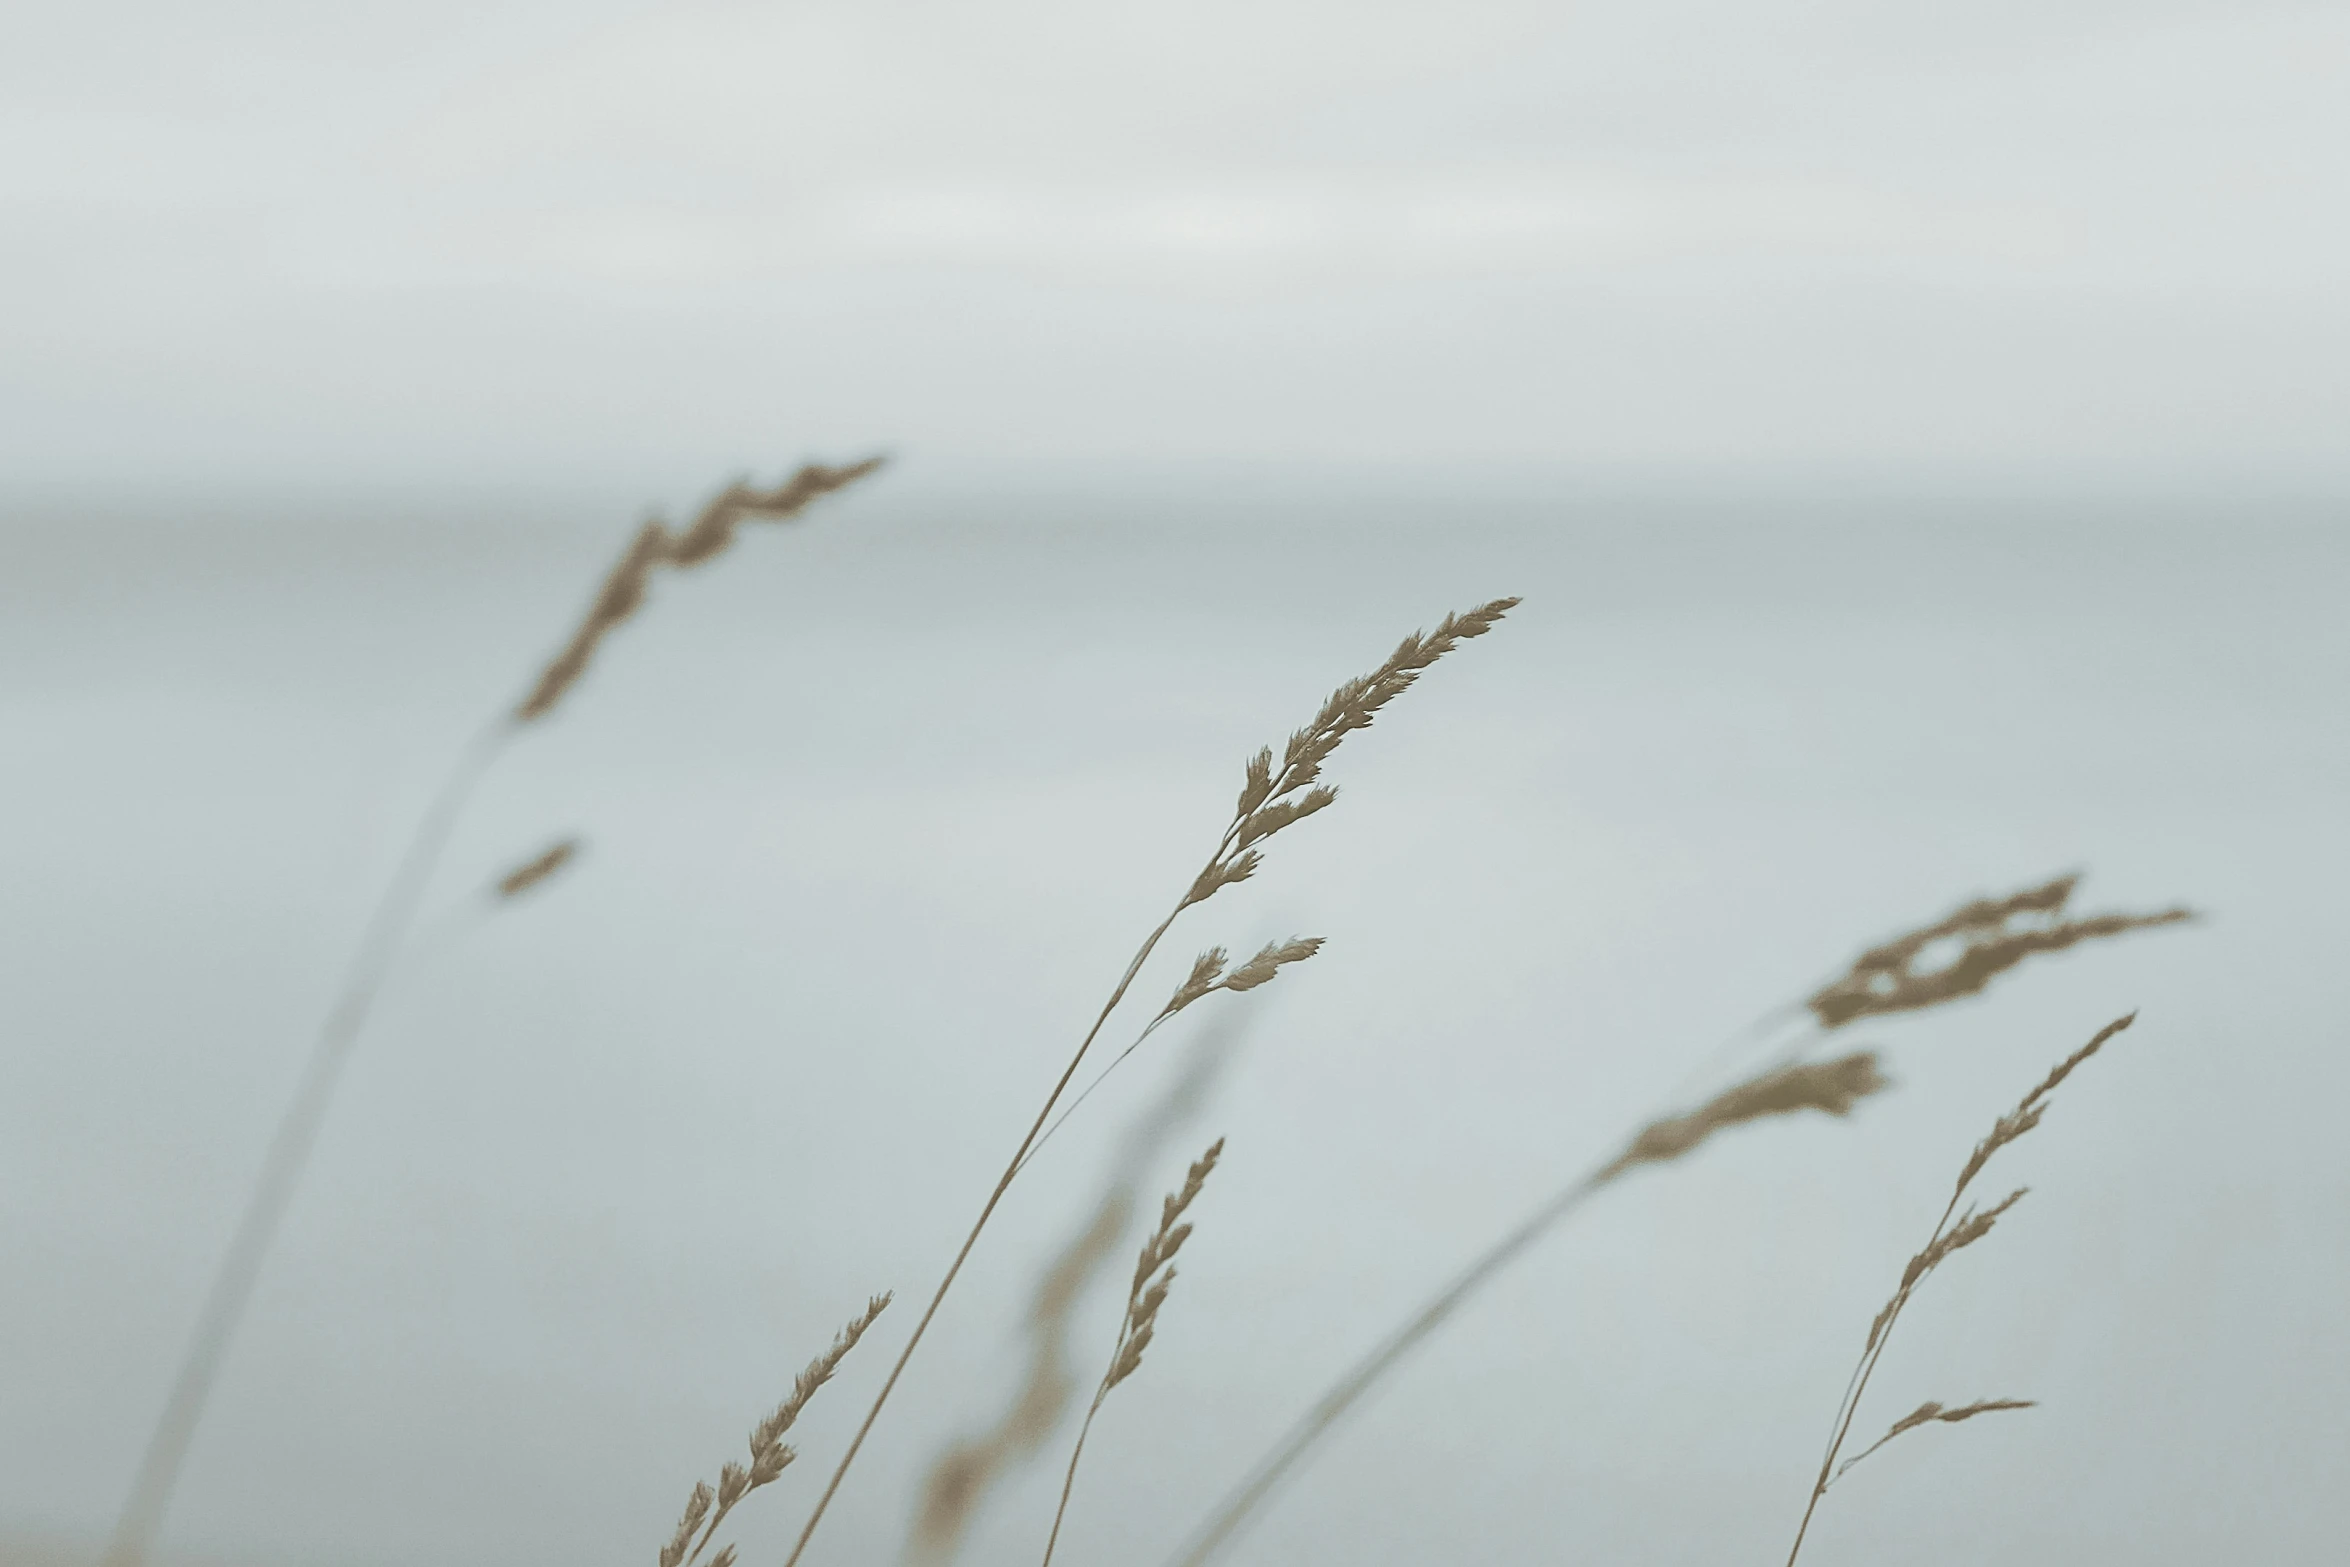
1992	935
1154	1275
555	857
1953	1232
371	964
1206	978
707	1508
1831	1087
707	536
1929	1412
1270	801
962	1475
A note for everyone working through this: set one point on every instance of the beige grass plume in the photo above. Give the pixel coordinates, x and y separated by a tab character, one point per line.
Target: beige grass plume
1207	977
548	862
1992	935
380	944
1272	799
1929	1413
770	1455
1953	1232
1950	958
706	537
1832	1087
1154	1275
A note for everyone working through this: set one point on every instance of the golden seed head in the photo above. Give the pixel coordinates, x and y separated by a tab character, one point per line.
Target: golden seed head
708	535
538	868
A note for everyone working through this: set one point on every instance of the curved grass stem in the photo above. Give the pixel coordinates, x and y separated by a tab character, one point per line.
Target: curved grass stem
289	1153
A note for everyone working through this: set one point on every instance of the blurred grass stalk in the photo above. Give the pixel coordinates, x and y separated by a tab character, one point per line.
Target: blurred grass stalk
623	592
1977	942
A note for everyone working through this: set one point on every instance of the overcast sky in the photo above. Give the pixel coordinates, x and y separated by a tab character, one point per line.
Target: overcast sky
512	239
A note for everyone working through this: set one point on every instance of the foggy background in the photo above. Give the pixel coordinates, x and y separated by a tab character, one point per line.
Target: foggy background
1916	437
522	241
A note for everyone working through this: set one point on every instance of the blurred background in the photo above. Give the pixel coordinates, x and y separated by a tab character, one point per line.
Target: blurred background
1916	434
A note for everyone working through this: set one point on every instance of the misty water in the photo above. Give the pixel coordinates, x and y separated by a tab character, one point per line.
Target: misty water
876	810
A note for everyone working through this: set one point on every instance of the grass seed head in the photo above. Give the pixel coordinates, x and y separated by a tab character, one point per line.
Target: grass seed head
1931	1412
1206	970
2028	1111
1154	1270
1832	1087
708	535
1265	805
697	1508
537	869
1991	935
1270	960
770	1456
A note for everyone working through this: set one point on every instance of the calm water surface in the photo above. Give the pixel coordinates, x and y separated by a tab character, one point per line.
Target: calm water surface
876	810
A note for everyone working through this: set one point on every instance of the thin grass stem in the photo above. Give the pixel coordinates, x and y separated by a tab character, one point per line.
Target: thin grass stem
289	1152
1069	1480
1855	1388
987	1212
1240	1506
1270	800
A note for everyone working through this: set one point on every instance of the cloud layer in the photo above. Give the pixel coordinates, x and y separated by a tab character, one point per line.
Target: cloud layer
498	239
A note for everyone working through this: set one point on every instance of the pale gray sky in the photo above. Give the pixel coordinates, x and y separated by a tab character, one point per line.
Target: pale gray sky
506	240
